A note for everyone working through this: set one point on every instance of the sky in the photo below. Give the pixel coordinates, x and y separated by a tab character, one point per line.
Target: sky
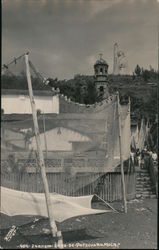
65	37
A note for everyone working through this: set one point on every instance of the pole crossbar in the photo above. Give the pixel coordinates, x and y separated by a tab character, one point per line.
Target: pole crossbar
13	61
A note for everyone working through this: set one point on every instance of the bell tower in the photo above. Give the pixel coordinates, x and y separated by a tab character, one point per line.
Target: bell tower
101	77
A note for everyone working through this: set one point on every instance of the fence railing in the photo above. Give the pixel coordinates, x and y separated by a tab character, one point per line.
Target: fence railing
58	165
107	186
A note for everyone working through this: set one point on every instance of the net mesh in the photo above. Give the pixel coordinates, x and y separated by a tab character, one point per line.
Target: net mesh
14	75
78	148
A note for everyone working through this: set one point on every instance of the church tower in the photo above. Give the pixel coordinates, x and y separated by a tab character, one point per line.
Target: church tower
101	78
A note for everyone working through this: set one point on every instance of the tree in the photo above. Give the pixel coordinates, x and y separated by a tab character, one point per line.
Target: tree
146	75
91	93
138	70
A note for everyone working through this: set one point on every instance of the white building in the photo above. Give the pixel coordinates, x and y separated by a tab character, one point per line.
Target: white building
58	139
18	102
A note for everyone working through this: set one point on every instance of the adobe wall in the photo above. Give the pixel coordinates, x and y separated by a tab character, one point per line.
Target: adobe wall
20	104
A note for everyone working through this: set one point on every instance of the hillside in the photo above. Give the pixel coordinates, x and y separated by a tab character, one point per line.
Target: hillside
81	89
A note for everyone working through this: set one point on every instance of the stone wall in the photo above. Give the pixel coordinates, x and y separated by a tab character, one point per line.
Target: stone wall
68	106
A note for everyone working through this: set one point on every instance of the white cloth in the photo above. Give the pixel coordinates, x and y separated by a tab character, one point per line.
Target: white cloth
64	207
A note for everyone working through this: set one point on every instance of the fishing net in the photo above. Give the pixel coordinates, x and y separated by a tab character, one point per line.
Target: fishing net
78	147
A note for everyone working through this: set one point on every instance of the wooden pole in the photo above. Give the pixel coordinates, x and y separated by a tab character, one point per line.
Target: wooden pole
15	59
130	137
158	52
121	155
106	203
53	226
45	134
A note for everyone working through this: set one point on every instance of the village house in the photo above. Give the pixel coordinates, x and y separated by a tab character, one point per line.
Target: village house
15	101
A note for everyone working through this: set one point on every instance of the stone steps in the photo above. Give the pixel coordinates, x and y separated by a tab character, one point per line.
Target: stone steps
140	180
146	195
144	185
144	190
146	178
153	196
142	175
143	172
139	184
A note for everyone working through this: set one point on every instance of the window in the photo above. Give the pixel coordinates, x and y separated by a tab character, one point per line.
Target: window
101	71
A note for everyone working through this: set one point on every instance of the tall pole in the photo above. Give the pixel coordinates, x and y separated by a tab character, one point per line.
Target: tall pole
45	134
115	63
53	226
158	83
158	52
114	60
158	69
121	155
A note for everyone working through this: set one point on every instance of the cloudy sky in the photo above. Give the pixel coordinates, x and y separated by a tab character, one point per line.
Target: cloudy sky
65	37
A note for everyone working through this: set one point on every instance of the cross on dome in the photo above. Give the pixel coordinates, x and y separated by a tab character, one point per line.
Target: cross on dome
100	56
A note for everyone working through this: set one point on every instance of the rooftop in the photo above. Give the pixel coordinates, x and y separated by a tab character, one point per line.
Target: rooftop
26	92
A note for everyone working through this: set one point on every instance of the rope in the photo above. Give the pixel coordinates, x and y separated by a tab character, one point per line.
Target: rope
106	203
35	71
13	61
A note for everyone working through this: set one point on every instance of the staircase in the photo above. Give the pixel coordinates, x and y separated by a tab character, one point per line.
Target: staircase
144	188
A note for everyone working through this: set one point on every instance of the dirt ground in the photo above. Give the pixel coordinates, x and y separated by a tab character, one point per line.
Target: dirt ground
135	230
